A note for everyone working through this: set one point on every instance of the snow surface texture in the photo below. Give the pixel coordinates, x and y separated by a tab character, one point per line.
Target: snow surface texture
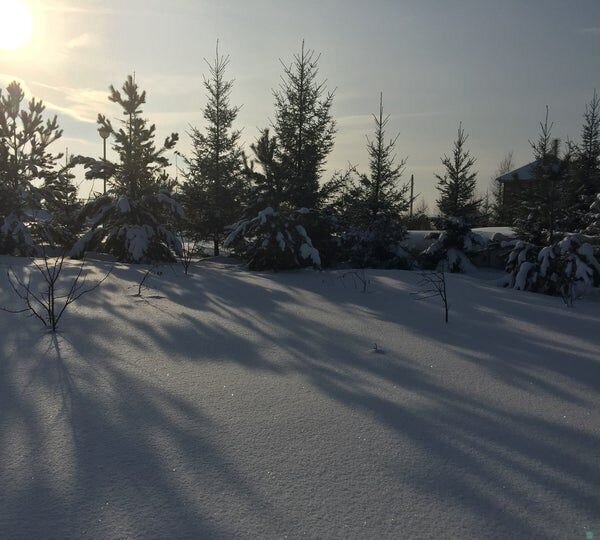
292	405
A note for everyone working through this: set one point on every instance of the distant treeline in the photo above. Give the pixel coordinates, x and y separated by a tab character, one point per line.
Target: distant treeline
272	206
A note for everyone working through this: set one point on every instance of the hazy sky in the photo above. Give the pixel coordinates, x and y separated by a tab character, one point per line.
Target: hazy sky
492	65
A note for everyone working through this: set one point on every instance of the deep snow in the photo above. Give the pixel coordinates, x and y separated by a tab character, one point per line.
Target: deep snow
236	405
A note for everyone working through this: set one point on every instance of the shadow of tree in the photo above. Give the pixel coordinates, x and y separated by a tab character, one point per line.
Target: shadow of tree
190	404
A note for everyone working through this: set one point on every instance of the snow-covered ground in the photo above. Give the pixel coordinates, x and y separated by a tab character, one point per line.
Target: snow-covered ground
236	405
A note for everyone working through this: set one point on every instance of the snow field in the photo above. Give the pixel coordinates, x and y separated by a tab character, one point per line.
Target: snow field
231	404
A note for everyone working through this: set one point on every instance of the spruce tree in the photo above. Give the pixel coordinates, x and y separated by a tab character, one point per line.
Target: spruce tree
25	159
485	216
214	187
588	157
374	204
584	181
289	221
542	206
457	185
501	214
60	201
379	192
134	220
304	127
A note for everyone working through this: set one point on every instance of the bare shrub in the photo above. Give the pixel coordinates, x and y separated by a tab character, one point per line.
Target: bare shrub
49	302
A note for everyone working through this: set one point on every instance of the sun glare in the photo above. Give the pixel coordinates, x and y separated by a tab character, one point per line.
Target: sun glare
16	24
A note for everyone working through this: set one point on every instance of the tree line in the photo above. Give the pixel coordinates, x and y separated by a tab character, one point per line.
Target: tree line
273	206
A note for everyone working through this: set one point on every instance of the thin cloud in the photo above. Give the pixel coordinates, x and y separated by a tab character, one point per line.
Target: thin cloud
356	121
594	30
64	7
82	104
81	41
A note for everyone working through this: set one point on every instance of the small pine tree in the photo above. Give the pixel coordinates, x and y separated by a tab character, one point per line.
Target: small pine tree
134	220
501	213
379	192
214	187
486	213
268	186
457	185
375	203
25	159
63	207
584	181
304	128
542	204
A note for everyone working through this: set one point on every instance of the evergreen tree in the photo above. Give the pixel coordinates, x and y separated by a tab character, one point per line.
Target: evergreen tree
584	181
379	192
289	220
134	219
62	206
486	213
588	157
304	127
457	185
268	187
542	205
214	187
375	203
501	214
25	159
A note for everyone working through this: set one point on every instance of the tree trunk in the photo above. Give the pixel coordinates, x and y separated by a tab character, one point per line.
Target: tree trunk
216	246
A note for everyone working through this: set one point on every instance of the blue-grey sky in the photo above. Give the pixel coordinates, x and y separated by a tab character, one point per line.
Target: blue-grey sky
492	65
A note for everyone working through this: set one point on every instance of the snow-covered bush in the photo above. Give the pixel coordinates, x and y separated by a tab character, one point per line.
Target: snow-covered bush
134	231
567	268
521	265
592	218
377	245
15	237
452	248
275	240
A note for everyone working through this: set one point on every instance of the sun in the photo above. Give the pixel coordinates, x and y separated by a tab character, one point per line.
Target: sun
16	24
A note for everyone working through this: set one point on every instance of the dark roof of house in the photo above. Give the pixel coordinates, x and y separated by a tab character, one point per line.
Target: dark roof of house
525	173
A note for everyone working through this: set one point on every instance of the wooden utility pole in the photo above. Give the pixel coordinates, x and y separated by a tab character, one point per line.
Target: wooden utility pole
412	192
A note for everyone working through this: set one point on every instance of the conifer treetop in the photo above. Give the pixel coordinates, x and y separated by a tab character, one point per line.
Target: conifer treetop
140	168
457	184
25	136
304	127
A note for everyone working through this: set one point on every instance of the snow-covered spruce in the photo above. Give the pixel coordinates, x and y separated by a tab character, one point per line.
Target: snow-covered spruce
15	236
520	265
134	231
452	248
275	240
592	218
568	268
